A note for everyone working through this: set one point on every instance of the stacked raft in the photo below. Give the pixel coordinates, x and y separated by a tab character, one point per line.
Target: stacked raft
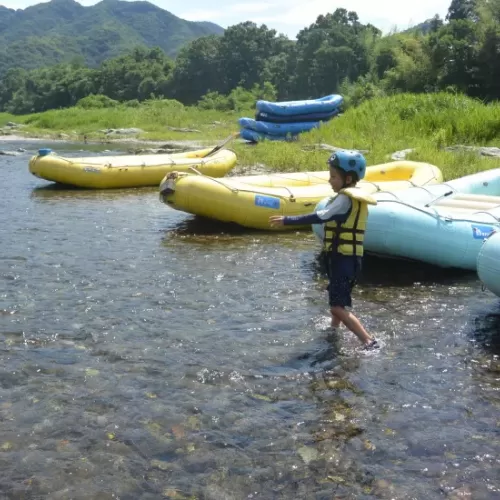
279	121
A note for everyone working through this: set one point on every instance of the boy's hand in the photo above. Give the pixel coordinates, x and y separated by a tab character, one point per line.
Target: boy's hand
276	220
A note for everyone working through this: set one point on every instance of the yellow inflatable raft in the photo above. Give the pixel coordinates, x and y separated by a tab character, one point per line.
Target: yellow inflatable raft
250	200
102	172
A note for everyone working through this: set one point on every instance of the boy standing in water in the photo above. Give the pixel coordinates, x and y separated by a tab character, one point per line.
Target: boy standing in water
344	220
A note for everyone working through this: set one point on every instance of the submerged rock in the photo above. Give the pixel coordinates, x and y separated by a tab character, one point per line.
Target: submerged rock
121	131
328	147
187	145
257	169
308	454
9	153
401	155
153	151
176	129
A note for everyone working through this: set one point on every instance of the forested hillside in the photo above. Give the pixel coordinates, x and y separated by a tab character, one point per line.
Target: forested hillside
63	30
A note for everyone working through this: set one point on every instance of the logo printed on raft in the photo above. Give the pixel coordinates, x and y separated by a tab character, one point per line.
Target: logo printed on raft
267	201
92	169
481	232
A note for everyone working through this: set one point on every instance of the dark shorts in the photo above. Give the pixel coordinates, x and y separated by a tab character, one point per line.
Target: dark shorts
339	291
342	273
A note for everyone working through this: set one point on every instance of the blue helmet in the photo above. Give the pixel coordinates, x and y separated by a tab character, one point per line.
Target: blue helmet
349	161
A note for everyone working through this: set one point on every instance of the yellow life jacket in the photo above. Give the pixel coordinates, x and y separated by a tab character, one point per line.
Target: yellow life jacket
347	238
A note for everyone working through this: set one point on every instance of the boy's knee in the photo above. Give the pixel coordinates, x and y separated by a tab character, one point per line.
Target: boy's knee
338	311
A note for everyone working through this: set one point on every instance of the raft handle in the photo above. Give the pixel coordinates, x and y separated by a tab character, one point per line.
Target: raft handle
439	198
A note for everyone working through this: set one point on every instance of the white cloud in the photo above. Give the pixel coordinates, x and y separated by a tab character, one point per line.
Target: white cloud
238	12
247	8
293	15
201	15
395	11
16	4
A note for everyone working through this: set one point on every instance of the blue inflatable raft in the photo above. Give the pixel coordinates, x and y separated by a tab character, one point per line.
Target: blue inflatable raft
444	224
279	129
253	136
312	117
325	104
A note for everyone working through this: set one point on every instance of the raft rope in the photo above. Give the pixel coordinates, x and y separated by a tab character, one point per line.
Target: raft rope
437	215
263	193
168	160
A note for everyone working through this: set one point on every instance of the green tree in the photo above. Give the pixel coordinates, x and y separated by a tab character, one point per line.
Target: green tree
244	50
197	70
134	76
454	53
12	82
412	71
460	10
329	51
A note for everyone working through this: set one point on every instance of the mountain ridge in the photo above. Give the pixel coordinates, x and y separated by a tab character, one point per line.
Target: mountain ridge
61	30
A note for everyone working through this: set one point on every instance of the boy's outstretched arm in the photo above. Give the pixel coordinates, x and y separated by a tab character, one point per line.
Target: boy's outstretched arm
338	210
298	220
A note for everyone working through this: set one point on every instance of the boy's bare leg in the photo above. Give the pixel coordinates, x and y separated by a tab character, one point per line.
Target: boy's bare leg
335	321
352	323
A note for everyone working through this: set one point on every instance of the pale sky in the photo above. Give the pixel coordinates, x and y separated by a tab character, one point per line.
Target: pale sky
290	16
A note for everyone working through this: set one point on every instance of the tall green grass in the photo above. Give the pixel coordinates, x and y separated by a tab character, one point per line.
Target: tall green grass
426	123
153	118
5	118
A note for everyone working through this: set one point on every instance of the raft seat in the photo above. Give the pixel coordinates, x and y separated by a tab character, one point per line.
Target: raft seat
472	205
478	197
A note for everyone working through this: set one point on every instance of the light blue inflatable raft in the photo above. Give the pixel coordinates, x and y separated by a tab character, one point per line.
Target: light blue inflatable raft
444	224
289	108
488	263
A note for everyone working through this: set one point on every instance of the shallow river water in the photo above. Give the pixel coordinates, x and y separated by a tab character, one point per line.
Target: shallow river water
149	354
